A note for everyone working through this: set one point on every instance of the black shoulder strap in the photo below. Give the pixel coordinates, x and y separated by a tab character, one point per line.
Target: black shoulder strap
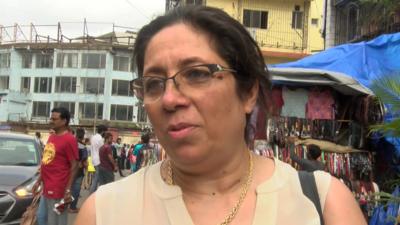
309	187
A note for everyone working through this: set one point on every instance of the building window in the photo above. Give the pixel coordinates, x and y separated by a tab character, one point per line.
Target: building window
120	88
25	84
41	109
194	2
93	61
5	60
93	85
42	85
255	19
352	19
65	84
297	18
4	82
121	63
67	60
87	110
44	60
314	21
121	112
68	105
26	60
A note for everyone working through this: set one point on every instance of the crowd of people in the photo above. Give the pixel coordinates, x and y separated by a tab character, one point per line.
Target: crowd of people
67	158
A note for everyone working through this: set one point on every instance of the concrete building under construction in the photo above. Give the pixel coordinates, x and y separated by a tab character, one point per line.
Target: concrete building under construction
89	75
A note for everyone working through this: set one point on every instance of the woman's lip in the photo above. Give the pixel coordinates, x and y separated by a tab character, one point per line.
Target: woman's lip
182	132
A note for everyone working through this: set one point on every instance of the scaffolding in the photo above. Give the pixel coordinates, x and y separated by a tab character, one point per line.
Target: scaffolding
17	33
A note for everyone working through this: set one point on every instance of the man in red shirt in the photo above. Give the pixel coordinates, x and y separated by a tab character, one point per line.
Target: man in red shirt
59	166
107	164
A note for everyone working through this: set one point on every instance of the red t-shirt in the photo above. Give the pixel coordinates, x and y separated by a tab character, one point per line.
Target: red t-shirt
58	153
105	162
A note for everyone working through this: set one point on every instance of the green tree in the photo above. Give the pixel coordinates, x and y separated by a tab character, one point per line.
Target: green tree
387	90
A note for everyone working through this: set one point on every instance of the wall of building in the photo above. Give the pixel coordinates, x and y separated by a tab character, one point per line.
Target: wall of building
15	72
316	40
14	106
279	36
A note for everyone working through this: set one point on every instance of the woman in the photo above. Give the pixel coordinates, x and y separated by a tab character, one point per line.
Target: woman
200	75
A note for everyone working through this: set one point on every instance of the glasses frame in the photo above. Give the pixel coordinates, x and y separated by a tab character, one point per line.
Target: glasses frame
214	68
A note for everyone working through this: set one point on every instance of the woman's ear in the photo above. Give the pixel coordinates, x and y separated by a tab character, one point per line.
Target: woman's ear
251	98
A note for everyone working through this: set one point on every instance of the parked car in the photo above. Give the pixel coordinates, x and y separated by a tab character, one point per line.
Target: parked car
19	164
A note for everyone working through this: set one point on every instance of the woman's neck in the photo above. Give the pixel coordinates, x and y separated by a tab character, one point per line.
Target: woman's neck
226	176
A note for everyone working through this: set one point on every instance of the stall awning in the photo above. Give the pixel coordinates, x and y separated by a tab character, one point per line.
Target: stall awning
315	77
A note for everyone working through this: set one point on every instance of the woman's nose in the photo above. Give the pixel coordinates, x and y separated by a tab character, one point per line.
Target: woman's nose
173	97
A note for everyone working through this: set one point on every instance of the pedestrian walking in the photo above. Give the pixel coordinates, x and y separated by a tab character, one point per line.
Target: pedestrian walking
118	156
58	169
96	142
39	142
107	164
83	156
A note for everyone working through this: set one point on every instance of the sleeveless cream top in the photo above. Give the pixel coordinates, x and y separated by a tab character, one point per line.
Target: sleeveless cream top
145	199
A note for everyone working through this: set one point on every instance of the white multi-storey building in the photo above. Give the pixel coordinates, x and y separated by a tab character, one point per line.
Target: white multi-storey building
89	76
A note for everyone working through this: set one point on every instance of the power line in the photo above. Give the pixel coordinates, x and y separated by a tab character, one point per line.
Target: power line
133	6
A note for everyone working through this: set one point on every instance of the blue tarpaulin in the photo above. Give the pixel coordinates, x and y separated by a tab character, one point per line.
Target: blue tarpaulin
363	61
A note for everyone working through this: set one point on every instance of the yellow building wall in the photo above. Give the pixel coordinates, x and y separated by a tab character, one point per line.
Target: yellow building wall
315	39
279	35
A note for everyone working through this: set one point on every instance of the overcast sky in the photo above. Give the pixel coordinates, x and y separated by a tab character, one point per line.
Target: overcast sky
100	14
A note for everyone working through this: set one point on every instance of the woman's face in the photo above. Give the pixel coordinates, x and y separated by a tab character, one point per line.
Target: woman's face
207	122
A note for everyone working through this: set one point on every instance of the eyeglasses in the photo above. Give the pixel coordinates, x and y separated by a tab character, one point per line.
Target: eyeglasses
150	88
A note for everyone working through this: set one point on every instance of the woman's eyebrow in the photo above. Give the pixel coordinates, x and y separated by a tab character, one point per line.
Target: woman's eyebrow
182	63
154	70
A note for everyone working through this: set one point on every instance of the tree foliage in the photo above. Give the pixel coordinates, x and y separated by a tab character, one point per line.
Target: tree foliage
387	89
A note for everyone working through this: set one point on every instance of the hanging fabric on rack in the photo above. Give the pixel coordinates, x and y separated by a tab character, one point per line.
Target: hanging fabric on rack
320	104
294	102
277	101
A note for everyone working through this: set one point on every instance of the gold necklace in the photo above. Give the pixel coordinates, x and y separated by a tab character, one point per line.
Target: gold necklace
245	187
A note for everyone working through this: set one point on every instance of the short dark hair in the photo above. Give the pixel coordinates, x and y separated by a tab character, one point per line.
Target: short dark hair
37	134
80	133
231	41
145	138
64	114
107	135
313	151
101	128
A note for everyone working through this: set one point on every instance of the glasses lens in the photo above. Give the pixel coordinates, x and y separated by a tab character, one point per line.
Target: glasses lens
153	88
194	76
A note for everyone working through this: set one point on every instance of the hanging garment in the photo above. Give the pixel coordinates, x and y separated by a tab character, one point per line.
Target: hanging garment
295	102
320	105
261	125
277	101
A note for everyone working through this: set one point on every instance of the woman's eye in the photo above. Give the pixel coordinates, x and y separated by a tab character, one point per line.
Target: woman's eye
152	85
197	75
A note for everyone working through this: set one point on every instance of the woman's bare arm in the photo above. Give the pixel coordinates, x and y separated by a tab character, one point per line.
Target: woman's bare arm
341	207
87	213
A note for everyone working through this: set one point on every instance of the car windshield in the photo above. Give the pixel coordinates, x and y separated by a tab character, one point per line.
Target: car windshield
19	152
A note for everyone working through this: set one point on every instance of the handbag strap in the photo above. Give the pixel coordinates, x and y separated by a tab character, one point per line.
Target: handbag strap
309	188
